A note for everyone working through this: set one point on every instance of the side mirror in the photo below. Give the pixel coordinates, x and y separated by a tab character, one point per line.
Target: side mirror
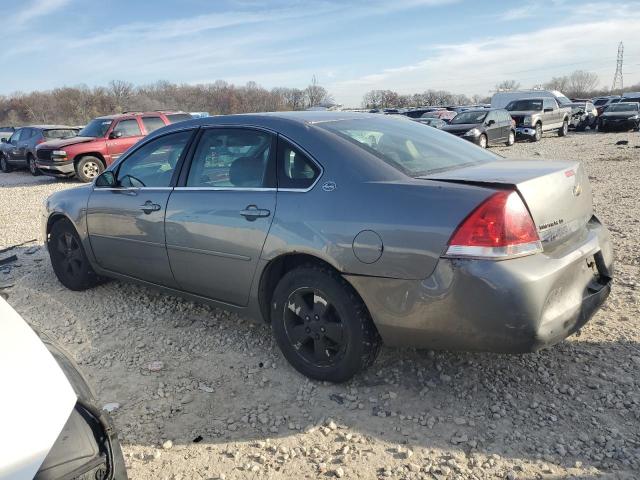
547	110
106	179
490	122
3	140
114	135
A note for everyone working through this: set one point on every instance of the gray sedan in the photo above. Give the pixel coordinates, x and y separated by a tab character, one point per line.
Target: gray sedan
344	231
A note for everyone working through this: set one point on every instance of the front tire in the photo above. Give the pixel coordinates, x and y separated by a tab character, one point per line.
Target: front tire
68	259
538	133
482	141
4	164
321	324
564	130
33	168
512	138
88	168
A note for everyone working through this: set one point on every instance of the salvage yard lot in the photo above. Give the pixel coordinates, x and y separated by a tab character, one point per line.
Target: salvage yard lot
203	394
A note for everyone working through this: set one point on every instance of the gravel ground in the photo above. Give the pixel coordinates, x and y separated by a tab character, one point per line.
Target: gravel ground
204	394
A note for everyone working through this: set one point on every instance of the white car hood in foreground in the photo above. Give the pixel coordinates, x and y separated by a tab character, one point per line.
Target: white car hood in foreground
35	401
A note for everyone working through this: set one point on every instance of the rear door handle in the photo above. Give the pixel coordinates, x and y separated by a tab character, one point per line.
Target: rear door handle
149	207
252	212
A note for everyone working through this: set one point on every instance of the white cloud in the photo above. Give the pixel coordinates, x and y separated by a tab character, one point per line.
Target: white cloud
35	9
476	66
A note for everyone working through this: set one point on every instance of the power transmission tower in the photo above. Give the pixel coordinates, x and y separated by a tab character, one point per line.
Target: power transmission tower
618	84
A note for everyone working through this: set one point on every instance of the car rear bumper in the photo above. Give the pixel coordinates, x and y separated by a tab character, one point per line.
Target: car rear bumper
56	169
512	306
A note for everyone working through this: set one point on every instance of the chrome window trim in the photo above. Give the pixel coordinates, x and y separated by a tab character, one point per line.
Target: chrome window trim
132	189
222	189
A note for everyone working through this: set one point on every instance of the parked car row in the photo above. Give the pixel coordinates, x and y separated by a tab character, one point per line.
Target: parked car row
65	151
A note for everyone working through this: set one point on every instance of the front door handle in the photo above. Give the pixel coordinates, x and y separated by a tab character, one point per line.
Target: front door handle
149	207
252	212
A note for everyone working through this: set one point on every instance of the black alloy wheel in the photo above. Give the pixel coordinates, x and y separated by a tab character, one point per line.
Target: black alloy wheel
68	259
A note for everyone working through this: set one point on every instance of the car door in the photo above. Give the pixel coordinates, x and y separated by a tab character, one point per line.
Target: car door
123	135
492	127
219	216
551	113
125	222
18	145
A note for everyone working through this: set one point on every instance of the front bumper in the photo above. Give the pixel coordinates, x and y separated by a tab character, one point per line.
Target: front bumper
511	306
525	131
56	169
622	124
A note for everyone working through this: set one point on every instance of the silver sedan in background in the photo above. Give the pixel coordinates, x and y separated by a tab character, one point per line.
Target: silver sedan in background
343	231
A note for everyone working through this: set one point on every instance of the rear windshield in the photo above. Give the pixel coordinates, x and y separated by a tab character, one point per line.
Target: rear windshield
623	107
524	105
469	117
59	133
409	146
178	117
96	128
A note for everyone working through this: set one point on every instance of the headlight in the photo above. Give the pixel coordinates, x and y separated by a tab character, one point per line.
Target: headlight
633	117
474	132
59	153
527	120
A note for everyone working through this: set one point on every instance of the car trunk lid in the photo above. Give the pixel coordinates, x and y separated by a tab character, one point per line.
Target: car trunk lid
557	193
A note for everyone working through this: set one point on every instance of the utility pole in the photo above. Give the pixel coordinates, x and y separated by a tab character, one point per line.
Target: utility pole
618	83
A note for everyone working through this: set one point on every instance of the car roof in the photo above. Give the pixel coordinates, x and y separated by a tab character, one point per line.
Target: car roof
50	127
132	114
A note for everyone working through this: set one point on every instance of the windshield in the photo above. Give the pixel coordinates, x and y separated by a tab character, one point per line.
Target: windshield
469	117
623	107
96	128
59	133
410	147
600	101
524	105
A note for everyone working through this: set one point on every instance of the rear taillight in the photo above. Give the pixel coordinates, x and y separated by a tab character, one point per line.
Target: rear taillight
501	227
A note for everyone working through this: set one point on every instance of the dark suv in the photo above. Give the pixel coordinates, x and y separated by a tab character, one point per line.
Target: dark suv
19	150
100	143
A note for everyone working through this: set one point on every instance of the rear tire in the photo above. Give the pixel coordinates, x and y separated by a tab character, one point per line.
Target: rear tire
68	259
512	138
4	164
538	134
321	324
88	168
564	129
33	168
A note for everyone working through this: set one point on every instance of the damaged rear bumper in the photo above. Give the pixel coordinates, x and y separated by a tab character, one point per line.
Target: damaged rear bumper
512	306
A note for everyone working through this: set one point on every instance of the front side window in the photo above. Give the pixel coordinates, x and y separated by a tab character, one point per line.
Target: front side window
295	169
153	164
408	146
128	128
16	136
550	103
231	158
152	124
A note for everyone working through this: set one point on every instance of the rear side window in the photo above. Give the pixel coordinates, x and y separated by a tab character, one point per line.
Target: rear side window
152	124
178	117
129	128
232	158
295	169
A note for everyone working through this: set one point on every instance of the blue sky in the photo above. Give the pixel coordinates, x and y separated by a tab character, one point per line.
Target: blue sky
351	46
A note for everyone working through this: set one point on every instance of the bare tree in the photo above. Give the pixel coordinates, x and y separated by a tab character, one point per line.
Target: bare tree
122	92
581	83
316	95
558	83
507	85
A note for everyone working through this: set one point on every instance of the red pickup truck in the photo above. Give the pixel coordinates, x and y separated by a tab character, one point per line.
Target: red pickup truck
100	143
